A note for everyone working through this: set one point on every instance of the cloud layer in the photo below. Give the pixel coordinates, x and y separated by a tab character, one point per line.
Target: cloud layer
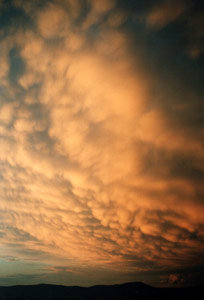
101	147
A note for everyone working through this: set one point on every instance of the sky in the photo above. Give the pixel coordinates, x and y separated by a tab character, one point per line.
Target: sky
101	142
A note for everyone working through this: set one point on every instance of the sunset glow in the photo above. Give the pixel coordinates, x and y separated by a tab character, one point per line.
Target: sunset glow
101	142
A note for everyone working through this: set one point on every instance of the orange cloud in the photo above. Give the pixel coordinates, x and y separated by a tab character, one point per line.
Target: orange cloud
90	161
52	22
166	12
97	10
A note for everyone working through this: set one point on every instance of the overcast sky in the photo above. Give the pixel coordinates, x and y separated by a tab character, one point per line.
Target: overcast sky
101	142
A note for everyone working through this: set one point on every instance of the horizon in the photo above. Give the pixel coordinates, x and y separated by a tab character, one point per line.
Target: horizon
101	142
80	285
136	290
104	285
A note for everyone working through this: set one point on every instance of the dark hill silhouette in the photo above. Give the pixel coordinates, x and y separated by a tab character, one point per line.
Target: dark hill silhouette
126	291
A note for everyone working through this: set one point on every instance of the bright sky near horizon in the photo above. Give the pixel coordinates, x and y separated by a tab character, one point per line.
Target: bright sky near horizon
101	142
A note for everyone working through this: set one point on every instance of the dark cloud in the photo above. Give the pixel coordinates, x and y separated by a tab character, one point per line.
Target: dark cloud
13	18
16	65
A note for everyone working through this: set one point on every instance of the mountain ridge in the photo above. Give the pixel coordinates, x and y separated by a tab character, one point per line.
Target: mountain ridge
123	291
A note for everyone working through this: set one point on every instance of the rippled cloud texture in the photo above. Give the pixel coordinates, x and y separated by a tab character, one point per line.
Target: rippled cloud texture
101	142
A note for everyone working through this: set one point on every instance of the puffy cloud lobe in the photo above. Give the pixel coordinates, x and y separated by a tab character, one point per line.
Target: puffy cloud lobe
52	22
97	11
188	13
196	32
89	162
166	12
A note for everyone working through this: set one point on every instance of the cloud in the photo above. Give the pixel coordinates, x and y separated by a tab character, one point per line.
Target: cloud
6	113
117	18
97	11
166	12
97	172
52	22
196	32
187	14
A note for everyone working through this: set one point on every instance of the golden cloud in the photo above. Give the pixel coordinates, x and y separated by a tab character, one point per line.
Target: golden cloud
87	155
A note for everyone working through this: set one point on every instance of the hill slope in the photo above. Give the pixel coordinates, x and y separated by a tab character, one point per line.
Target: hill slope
126	291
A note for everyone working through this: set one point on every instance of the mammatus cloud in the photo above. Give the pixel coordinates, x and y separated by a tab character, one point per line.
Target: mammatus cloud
187	13
166	12
97	175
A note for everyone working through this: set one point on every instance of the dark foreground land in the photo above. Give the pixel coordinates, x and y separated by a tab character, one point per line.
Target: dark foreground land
126	291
